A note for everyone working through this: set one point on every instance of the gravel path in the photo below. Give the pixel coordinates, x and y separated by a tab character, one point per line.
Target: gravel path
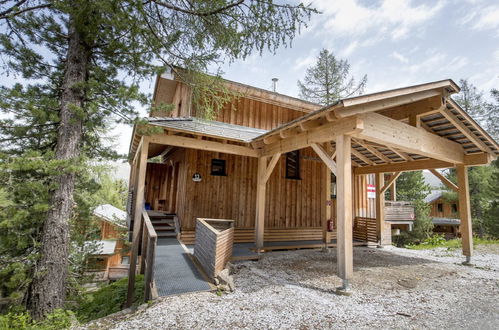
392	288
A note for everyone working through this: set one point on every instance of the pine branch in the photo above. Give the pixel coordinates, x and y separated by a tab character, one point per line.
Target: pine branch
10	12
195	13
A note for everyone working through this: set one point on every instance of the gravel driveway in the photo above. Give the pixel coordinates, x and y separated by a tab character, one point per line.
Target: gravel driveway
392	288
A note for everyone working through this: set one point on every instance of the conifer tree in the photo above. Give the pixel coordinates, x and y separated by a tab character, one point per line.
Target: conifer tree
328	80
81	63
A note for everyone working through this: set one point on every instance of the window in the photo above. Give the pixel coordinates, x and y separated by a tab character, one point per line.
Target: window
218	167
293	165
440	207
125	260
454	208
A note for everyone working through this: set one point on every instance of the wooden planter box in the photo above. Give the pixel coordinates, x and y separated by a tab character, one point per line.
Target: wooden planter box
213	247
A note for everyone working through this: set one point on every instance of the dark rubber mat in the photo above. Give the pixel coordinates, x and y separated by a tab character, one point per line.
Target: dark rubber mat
174	271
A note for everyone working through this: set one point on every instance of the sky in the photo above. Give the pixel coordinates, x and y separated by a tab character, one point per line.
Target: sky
395	42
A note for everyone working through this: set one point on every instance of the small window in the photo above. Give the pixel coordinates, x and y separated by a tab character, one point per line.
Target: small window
125	260
454	208
218	167
440	207
293	165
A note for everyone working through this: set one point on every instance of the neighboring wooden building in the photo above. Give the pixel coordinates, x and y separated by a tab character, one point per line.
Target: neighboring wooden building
444	214
281	167
111	258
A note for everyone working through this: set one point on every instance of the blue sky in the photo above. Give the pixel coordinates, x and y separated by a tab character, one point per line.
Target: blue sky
395	42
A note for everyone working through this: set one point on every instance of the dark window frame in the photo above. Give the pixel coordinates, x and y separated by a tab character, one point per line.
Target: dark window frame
440	207
293	156
218	163
454	207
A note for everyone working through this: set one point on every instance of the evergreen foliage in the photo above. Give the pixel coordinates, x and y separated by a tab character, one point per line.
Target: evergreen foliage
411	187
78	65
329	80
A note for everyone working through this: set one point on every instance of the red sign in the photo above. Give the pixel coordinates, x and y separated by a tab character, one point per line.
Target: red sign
371	191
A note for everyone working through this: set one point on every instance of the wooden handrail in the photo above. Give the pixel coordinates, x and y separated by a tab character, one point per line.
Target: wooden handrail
149	241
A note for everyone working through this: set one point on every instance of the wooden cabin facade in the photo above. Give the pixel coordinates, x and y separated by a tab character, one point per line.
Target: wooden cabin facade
444	214
111	258
282	168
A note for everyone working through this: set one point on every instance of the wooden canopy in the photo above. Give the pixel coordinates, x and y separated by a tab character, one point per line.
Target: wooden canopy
405	129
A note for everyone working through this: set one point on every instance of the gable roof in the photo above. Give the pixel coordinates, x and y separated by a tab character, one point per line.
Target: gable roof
434	195
112	214
209	128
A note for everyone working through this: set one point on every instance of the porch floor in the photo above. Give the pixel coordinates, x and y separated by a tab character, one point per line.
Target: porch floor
174	271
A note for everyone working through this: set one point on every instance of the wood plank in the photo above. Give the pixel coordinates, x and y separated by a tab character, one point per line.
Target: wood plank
380	207
444	180
392	133
465	130
465	210
324	133
270	167
325	156
391	181
139	201
186	142
344	208
260	202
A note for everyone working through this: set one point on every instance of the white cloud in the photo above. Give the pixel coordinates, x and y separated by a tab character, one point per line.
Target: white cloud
496	56
306	61
439	62
483	18
400	57
349	49
394	18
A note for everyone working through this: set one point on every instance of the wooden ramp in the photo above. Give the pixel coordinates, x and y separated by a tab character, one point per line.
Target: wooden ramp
174	271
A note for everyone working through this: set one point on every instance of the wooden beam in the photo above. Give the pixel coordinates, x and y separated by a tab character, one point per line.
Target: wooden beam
465	130
359	155
270	168
137	217
374	151
465	211
355	106
271	139
394	134
344	208
444	180
325	156
260	203
424	164
324	133
391	181
192	143
415	165
326	237
380	207
308	125
419	108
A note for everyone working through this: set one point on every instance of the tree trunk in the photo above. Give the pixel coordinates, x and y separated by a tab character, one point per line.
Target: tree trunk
48	289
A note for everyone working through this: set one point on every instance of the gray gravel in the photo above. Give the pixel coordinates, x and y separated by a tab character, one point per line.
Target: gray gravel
392	288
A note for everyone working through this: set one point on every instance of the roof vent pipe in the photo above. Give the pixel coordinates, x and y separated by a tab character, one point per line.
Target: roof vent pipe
274	84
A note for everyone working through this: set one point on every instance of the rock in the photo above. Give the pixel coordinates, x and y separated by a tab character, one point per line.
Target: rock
226	279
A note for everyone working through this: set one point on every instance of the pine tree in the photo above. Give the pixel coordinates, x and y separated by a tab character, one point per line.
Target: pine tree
492	214
411	187
328	80
81	63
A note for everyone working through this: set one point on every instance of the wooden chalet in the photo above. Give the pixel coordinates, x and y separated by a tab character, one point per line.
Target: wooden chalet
110	258
444	214
281	167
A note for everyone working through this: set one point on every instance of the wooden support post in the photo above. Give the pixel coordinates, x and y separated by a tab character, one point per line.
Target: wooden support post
260	202
264	173
137	217
464	211
393	191
380	207
344	209
326	237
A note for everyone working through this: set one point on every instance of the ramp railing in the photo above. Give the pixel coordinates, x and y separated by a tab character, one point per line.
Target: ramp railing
149	239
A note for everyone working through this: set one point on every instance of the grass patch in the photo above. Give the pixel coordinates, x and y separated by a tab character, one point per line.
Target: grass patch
108	299
438	241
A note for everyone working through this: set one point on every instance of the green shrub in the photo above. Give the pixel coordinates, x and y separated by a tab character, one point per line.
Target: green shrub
108	299
58	319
